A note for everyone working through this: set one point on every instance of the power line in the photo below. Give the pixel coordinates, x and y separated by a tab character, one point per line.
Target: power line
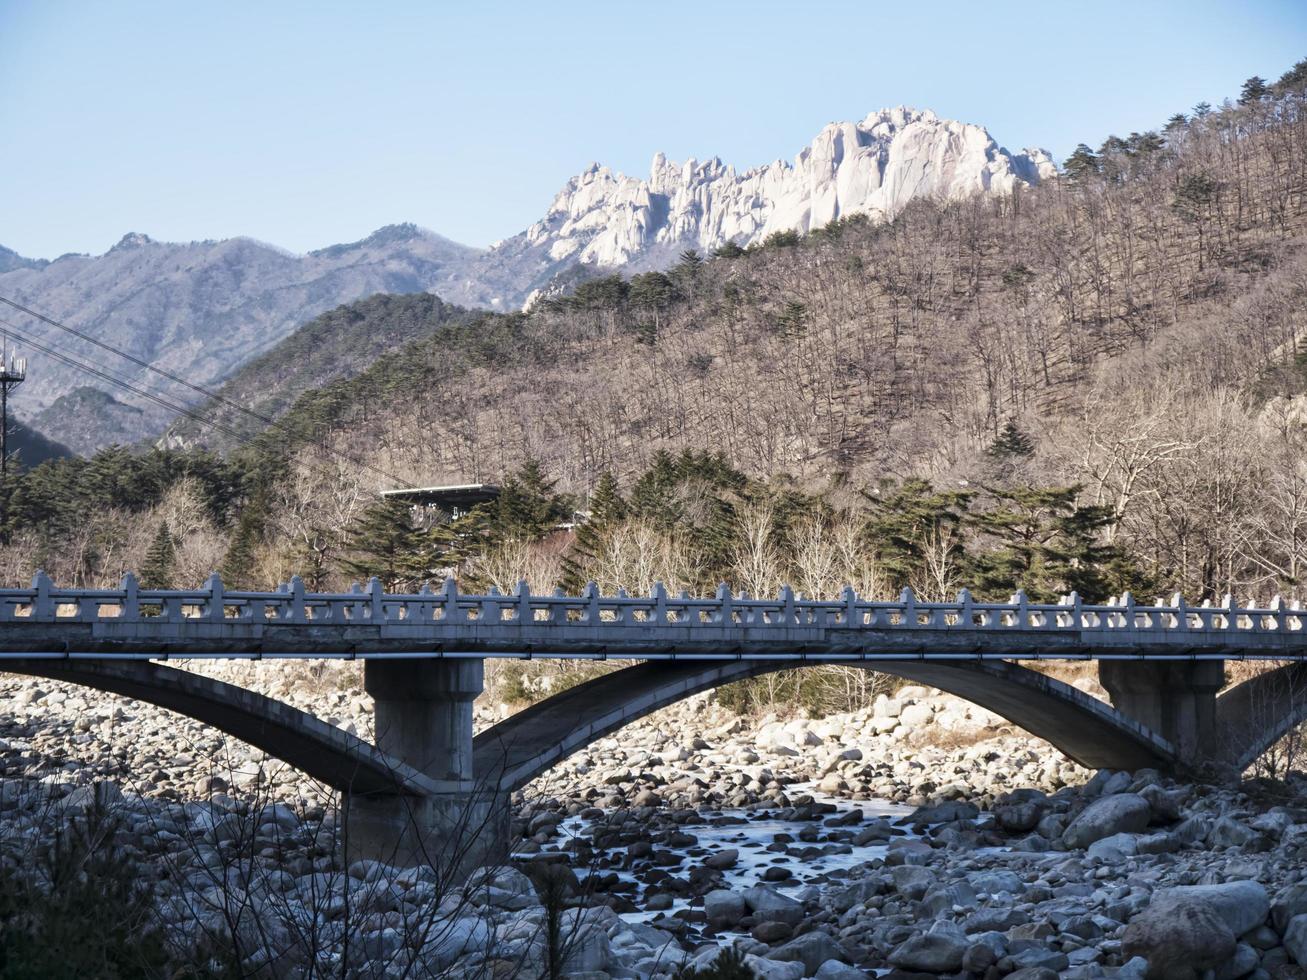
198	389
152	396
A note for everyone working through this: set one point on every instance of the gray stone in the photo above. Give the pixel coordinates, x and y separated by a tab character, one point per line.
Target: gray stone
722	859
812	949
1242	905
1289	902
1120	813
765	969
769	905
1179	939
1244	961
1295	939
835	970
1230	833
930	952
723	907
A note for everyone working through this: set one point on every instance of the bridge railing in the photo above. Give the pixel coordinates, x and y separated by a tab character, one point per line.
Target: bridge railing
293	605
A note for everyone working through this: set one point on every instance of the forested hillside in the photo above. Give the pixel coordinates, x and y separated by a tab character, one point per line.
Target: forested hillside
334	346
1096	384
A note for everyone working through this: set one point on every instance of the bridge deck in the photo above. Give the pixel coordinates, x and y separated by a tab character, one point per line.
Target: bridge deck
131	622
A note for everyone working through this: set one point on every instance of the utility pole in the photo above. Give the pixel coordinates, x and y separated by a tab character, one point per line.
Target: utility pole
13	371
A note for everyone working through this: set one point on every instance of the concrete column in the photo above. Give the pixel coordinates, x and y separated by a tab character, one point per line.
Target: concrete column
423	718
1174	698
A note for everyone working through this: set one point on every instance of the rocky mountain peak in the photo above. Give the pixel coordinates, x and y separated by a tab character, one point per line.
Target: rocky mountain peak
872	167
133	239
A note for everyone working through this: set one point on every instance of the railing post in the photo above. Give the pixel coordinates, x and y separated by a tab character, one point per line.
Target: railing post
1022	602
130	608
850	599
524	614
590	594
42	605
787	606
660	603
724	603
297	614
908	617
449	598
965	614
1128	603
1077	617
216	611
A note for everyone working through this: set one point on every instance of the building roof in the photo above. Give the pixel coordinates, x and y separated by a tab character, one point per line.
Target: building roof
460	495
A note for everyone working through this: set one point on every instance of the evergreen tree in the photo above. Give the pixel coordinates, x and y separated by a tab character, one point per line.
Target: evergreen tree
1011	443
527	506
1082	163
607	508
728	250
904	520
793	319
1253	90
1293	80
1176	123
384	542
1042	541
160	560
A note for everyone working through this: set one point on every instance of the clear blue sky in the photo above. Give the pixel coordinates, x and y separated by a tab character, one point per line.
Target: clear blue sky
305	124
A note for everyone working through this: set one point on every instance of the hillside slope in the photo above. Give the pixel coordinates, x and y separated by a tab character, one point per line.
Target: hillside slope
201	309
866	350
336	345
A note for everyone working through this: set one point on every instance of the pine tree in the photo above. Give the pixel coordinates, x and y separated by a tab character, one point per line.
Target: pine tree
528	506
1082	163
1042	541
1011	443
384	542
607	508
905	519
1253	90
1293	80
160	560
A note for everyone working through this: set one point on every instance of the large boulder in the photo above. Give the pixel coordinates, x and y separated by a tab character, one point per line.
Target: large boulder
723	907
1289	901
1295	939
1121	813
1180	939
1242	905
812	949
769	905
930	952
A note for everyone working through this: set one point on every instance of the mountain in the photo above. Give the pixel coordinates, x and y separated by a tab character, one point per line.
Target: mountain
874	168
202	310
198	310
333	346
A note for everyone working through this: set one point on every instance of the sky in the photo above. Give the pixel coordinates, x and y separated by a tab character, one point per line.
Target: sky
304	124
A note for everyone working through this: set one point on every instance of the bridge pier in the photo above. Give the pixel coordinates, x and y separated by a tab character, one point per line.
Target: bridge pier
1174	698
423	718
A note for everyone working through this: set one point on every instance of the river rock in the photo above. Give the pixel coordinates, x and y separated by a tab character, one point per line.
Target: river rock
723	907
769	905
1179	939
812	949
1243	905
930	952
1289	902
1116	814
1295	939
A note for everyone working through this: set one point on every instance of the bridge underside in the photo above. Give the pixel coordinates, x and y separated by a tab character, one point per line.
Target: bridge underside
427	780
1085	729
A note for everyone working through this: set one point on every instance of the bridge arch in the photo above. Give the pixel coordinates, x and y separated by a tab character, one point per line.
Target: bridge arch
324	752
1255	714
1094	734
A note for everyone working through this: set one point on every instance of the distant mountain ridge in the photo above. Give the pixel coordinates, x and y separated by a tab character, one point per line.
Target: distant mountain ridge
203	309
874	167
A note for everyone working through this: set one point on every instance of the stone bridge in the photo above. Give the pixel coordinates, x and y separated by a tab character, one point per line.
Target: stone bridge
427	781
